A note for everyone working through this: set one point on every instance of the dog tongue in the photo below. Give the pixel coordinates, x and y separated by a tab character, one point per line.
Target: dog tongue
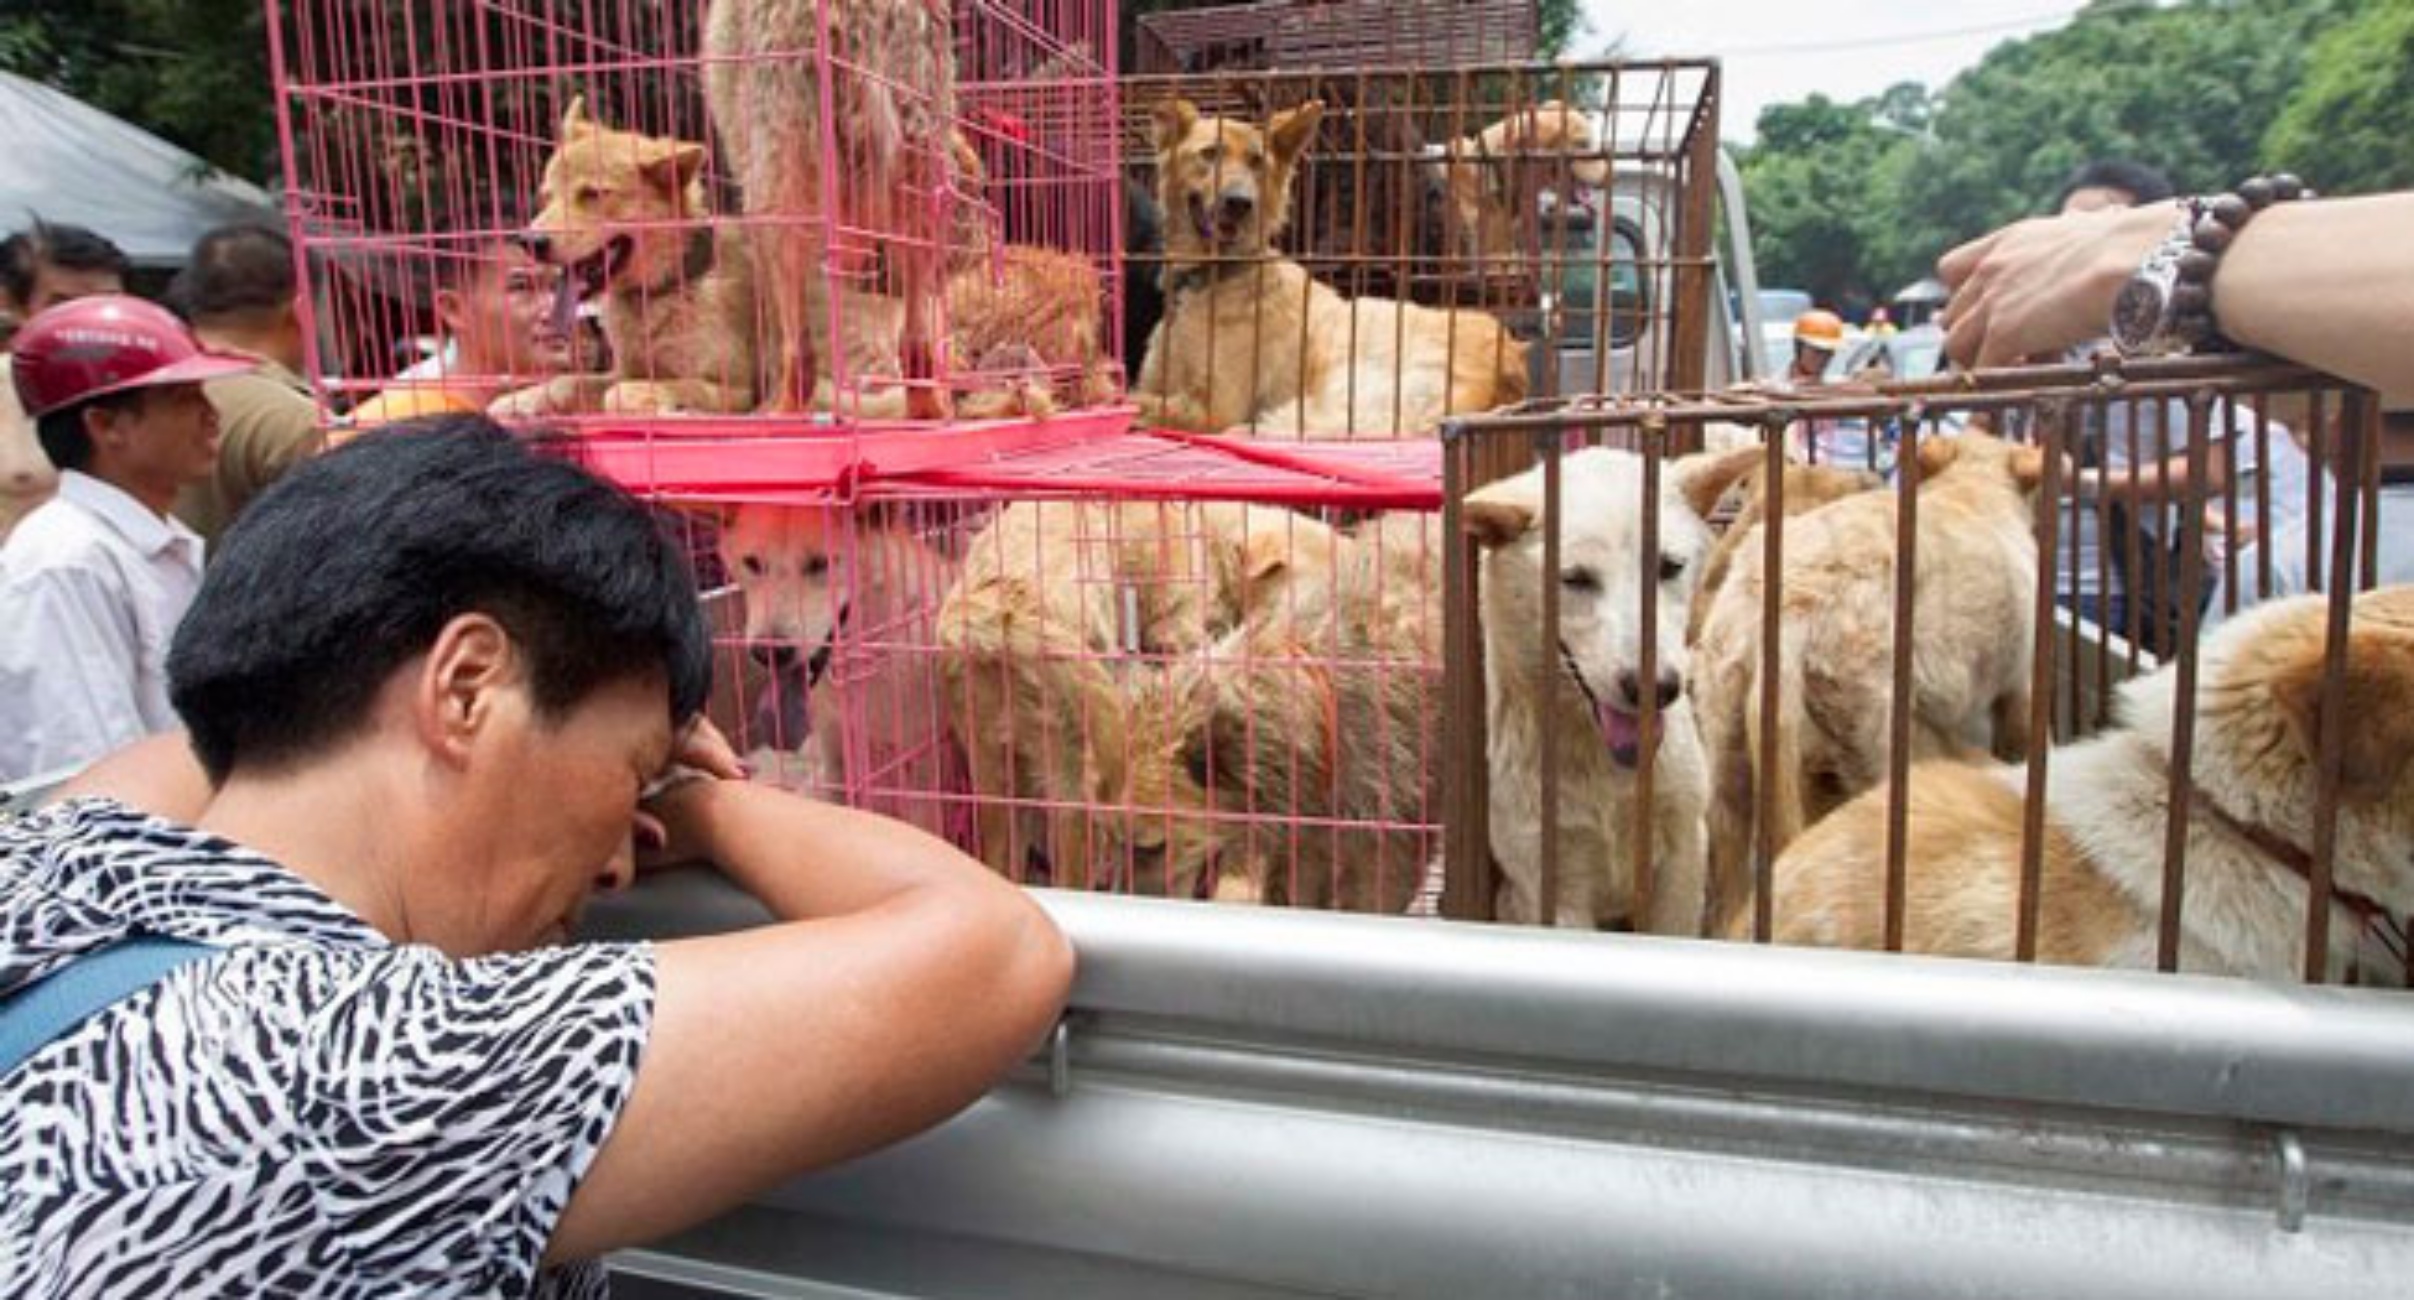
1622	732
565	305
780	716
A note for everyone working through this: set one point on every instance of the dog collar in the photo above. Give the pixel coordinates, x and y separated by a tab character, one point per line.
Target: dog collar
2374	918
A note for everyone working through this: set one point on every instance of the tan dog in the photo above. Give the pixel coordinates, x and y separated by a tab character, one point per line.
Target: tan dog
1317	725
1250	339
890	69
1064	614
1590	689
832	597
1974	620
626	213
1483	174
2250	822
1806	488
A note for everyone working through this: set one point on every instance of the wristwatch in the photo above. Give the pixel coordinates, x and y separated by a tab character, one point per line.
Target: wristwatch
2147	314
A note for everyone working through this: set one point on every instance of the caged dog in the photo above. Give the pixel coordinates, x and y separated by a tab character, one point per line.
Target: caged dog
824	588
1484	175
625	213
1065	614
890	72
1319	721
1589	688
2250	808
1972	606
1250	341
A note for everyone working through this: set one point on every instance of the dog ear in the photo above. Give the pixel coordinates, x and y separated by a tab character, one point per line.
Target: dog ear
2028	467
575	121
675	166
1936	454
1704	477
1170	123
2377	704
1502	512
1291	130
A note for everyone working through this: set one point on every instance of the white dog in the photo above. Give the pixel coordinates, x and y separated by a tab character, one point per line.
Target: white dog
832	597
1590	687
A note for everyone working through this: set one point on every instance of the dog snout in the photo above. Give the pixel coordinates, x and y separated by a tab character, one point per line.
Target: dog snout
1630	688
772	654
1235	205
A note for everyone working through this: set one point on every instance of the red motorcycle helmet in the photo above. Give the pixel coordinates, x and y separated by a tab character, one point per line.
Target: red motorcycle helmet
104	344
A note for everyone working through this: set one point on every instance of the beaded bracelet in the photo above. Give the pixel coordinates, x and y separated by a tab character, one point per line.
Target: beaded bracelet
2215	224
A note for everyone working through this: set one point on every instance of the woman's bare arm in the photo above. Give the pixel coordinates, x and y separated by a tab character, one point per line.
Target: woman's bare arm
905	979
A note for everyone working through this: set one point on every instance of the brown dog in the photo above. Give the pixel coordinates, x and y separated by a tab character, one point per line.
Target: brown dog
1974	617
1250	339
1485	173
1316	726
2259	723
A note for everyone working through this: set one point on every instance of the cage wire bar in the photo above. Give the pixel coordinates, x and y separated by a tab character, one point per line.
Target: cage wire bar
2197	412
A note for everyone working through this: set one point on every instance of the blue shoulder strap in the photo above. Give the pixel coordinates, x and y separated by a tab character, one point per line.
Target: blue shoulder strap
50	1006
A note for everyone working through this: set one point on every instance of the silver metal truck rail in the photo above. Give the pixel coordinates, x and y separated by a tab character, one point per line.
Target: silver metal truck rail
1257	1103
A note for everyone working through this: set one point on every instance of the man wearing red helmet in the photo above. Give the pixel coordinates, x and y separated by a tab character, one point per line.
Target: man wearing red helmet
93	583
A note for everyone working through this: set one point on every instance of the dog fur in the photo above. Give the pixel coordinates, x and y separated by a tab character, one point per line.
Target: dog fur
1250	341
766	104
847	586
1317	725
1483	174
1065	611
2258	729
1972	608
628	211
1601	745
1806	488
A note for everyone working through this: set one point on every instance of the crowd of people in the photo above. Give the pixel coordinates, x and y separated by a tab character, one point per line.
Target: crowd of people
372	721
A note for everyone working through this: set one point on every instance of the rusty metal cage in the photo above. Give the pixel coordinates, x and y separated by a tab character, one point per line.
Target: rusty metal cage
1823	711
1296	34
1363	253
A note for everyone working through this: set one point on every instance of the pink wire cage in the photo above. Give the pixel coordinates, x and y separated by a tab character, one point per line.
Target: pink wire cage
874	216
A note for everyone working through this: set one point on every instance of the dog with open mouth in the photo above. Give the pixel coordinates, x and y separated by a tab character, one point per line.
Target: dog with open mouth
624	215
1251	342
1590	688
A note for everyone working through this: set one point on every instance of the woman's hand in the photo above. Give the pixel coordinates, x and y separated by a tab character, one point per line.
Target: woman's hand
2042	286
672	815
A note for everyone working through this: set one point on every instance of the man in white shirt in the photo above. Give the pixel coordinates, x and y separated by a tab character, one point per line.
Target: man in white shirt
93	583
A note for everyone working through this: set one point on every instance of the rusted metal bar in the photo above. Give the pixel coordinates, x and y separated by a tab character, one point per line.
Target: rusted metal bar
1646	865
1898	721
2053	420
2354	447
2182	788
1772	556
1469	877
1548	660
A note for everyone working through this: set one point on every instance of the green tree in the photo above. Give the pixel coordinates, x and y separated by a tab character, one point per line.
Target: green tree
1821	184
193	72
2350	127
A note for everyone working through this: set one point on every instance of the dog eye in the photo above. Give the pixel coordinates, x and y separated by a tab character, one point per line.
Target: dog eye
817	566
588	193
1580	580
1256	159
753	565
1672	567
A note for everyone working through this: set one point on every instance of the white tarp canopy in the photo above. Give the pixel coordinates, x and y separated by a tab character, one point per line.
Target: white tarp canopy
72	163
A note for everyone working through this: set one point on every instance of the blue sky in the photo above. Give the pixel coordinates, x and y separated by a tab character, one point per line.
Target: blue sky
1777	51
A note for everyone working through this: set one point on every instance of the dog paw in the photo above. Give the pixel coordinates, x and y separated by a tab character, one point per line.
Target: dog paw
641	397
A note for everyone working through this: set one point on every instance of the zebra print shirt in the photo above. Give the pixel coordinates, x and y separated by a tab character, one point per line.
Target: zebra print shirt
314	1111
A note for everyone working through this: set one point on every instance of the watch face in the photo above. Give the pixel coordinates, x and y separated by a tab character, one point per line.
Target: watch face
2137	314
